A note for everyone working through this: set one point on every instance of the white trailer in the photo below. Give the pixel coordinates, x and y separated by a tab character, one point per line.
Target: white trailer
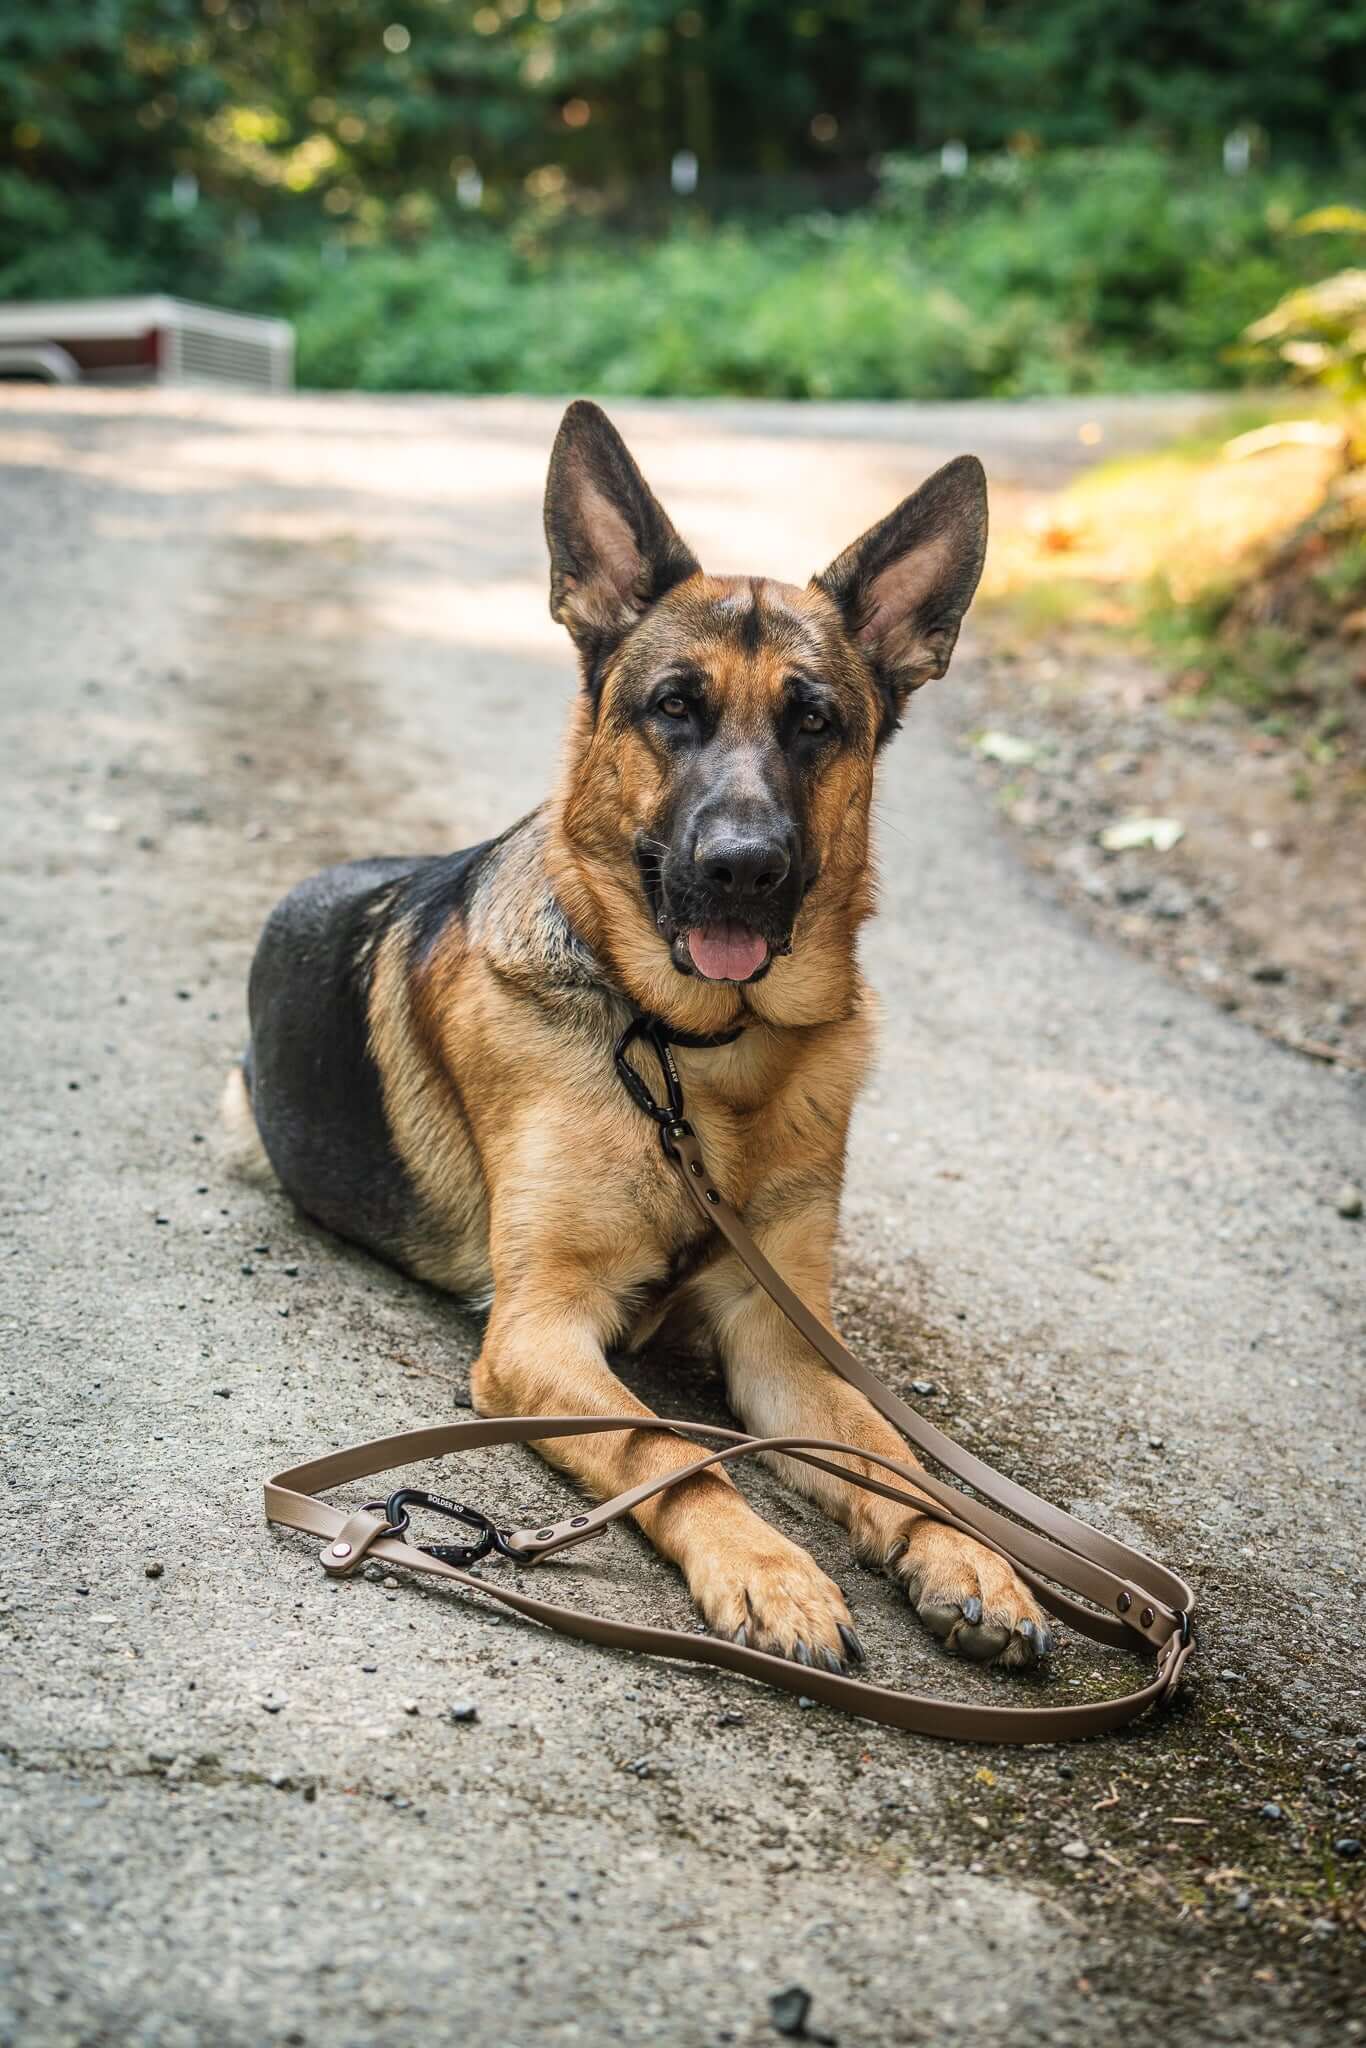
153	340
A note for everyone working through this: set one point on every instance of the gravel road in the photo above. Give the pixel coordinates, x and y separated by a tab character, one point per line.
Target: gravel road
243	638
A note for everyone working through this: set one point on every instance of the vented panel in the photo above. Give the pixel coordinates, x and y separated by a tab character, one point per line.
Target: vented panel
198	355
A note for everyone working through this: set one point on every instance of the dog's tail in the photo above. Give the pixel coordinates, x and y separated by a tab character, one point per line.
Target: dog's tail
243	1153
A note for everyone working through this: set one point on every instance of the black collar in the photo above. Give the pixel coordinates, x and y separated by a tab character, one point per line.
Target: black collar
691	1041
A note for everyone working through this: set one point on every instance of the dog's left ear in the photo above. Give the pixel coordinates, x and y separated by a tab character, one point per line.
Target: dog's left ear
904	587
613	549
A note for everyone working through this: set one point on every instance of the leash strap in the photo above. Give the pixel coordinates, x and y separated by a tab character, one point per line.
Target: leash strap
1103	1588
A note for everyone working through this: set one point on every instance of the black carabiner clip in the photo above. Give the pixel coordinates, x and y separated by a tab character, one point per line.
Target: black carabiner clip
491	1537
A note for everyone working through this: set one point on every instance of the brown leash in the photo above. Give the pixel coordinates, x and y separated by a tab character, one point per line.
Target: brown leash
1131	1602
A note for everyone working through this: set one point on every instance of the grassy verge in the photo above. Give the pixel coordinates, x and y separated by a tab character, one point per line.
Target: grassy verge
1235	561
1172	714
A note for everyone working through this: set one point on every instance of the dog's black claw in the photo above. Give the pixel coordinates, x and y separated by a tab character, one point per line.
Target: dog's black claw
972	1609
832	1663
800	1652
851	1644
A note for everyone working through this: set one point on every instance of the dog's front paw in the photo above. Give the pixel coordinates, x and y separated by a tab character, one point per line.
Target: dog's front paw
968	1596
758	1588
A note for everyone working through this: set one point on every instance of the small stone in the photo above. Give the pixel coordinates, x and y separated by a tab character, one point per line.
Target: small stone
1076	1852
411	1707
1267	971
788	2011
805	1700
1271	1811
463	1710
1348	1846
374	1573
390	1585
1171	901
223	1393
730	1720
272	1704
291	1272
1349	1200
281	1781
153	1569
1231	1677
922	1387
1242	1902
370	1668
1066	1771
1156	1443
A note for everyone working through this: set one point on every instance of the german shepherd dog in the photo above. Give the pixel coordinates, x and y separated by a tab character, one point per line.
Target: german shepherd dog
430	1069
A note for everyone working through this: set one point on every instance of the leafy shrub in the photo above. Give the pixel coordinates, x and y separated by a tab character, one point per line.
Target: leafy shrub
1114	270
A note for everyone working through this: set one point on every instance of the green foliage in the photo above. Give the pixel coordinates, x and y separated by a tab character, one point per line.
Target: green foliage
297	112
1088	271
463	195
1318	330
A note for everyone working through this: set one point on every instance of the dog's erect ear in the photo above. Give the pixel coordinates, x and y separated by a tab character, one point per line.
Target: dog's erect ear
613	551
904	587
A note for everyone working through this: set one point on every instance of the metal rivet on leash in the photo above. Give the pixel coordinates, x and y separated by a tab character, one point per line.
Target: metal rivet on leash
1124	1603
341	1550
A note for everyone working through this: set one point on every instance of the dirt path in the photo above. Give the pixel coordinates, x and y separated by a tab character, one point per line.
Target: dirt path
242	639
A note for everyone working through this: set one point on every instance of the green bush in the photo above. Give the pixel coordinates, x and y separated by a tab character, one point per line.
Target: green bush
1116	270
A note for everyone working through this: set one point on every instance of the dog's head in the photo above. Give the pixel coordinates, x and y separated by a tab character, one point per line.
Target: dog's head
720	770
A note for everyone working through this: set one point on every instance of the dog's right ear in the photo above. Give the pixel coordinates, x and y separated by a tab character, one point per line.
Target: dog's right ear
613	550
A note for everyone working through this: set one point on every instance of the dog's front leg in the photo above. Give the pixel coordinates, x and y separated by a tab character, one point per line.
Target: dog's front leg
963	1591
544	1355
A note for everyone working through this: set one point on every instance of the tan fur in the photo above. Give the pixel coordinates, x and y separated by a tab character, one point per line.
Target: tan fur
240	1147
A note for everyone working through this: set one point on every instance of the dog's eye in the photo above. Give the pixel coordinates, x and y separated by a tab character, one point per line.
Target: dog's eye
673	706
814	721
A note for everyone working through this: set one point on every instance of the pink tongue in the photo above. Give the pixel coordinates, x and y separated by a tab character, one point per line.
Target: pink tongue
726	952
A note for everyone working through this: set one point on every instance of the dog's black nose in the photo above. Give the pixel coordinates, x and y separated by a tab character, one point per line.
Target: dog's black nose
737	866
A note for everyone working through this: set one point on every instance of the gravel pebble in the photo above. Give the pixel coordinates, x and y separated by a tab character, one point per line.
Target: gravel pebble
788	2011
1076	1852
463	1710
1349	1200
